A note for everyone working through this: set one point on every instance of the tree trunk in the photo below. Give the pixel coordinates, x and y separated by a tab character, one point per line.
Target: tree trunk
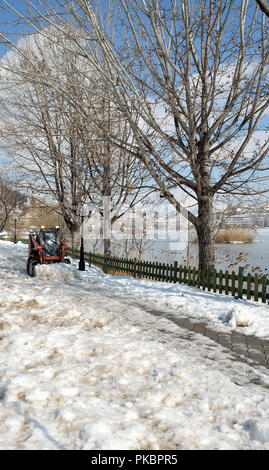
72	230
107	204
205	233
107	246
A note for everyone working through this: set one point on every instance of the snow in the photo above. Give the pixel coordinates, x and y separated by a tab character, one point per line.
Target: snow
84	366
222	311
56	272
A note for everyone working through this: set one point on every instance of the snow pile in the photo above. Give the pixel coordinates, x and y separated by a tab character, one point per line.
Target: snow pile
91	375
56	272
82	366
237	316
258	429
222	311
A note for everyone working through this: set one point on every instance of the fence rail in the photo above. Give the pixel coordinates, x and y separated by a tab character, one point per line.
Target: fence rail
239	285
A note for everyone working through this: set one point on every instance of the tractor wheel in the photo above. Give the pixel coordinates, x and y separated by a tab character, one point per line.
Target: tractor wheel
28	266
32	265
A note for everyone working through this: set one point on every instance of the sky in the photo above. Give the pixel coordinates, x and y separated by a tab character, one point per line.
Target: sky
9	26
16	29
10	23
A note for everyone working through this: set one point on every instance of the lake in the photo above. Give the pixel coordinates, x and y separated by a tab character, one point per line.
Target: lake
251	255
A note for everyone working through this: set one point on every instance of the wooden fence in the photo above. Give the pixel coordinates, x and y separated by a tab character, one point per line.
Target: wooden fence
239	285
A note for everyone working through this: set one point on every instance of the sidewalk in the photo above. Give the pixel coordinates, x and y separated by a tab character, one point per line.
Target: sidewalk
246	348
250	348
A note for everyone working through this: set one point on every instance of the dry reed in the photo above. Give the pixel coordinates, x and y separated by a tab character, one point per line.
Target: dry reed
230	236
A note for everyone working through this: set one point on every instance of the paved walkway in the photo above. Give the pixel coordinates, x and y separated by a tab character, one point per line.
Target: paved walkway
249	349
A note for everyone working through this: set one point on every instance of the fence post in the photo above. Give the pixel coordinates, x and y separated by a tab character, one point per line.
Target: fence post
256	287
90	258
249	286
175	271
226	282
105	265
220	281
134	273
214	286
233	284
240	282
264	284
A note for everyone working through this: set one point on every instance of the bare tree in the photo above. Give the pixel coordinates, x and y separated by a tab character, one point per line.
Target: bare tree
116	175
195	72
58	147
43	136
263	4
10	200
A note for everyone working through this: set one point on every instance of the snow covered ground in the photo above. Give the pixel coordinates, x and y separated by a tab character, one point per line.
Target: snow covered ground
83	366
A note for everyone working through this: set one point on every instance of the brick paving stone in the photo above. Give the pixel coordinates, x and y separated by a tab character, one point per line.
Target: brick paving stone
210	333
225	343
241	344
266	353
253	340
254	355
245	348
238	345
259	361
239	341
180	322
254	344
199	328
252	349
195	323
225	338
236	335
255	347
256	351
184	321
240	351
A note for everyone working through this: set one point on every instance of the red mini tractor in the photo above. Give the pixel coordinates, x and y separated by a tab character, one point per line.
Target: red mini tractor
45	247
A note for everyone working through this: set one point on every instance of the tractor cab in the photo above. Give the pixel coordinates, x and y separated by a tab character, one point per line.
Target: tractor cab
50	239
45	247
